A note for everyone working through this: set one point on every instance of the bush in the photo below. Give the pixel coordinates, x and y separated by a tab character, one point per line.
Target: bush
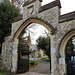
7	13
2	73
32	62
45	59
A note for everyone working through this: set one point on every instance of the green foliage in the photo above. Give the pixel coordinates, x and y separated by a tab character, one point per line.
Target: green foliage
7	13
2	73
39	55
45	59
44	43
32	62
41	43
69	46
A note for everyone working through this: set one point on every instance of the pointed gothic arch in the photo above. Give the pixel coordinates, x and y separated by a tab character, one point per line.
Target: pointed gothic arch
63	43
65	40
33	20
48	16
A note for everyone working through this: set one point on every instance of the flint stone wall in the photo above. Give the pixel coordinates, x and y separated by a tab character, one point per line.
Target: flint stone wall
61	24
6	55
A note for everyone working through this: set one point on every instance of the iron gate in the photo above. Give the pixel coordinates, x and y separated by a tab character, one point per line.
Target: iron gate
71	63
23	58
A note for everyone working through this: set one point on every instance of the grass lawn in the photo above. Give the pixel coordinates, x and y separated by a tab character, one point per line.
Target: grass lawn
45	59
32	62
2	73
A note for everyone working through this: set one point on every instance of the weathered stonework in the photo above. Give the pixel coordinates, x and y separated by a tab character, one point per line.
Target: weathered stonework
6	55
62	28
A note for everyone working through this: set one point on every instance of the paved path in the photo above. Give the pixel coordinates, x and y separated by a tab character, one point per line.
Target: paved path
43	67
31	73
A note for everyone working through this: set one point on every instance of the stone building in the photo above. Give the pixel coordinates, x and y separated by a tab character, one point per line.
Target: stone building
61	27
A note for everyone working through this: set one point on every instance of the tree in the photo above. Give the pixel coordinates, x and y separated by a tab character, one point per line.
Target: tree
44	43
18	3
7	13
22	38
69	46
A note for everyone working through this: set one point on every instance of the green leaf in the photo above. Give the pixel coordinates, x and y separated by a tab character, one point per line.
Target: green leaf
7	13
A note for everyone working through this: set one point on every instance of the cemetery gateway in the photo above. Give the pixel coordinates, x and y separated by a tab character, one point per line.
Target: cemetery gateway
61	27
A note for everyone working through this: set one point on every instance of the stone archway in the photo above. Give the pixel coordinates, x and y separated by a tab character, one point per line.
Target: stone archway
48	16
62	58
33	13
17	33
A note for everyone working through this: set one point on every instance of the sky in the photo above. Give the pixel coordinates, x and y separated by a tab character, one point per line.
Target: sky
67	5
35	32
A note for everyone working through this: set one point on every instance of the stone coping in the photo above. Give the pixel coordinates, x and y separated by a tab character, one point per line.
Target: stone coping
27	3
50	5
67	17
